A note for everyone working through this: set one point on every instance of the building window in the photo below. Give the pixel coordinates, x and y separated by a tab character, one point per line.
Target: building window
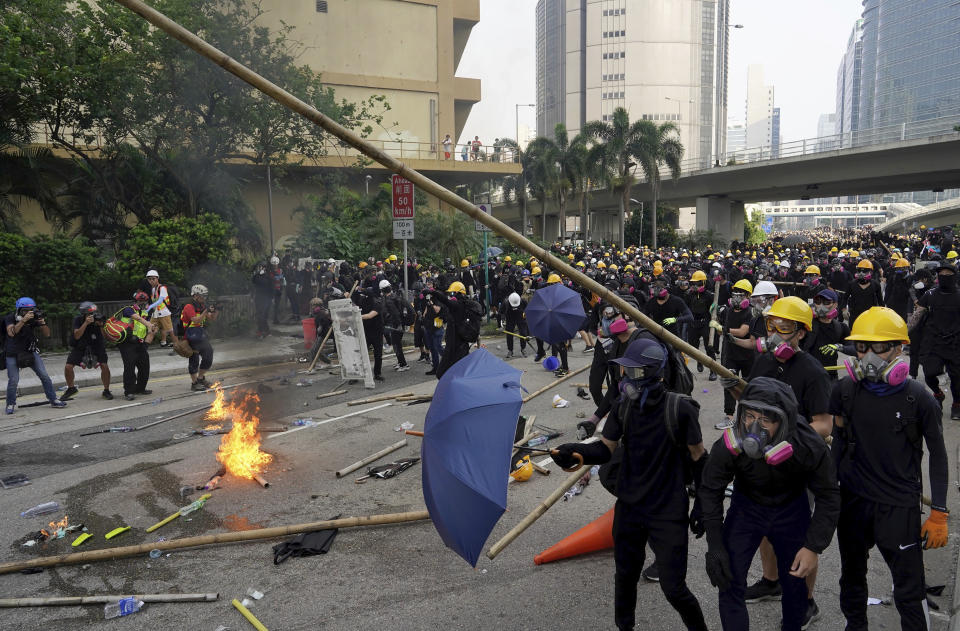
321	6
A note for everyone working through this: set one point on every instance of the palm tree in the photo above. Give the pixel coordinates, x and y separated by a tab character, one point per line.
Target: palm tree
619	138
516	186
542	175
657	145
566	157
32	173
591	168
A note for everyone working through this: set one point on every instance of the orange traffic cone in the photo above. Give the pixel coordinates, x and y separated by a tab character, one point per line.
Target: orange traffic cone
597	535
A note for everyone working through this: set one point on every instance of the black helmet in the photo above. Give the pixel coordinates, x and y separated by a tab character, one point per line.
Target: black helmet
86	307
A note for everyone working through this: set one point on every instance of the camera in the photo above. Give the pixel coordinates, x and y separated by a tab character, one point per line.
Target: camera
213	307
37	315
99	318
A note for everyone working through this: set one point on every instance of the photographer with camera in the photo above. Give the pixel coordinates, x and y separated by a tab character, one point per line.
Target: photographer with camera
21	351
87	349
194	317
133	346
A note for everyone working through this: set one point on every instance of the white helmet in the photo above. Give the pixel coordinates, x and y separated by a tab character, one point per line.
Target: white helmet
274	260
384	284
199	290
784	263
153	273
514	300
765	288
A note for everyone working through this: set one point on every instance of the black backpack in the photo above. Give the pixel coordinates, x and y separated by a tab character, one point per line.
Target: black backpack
407	313
676	376
469	329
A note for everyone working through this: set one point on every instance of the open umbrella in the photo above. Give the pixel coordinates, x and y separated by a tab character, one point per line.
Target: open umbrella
493	252
555	313
467	440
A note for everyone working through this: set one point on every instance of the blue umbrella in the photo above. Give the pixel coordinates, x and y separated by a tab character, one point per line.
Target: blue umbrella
493	252
555	313
467	441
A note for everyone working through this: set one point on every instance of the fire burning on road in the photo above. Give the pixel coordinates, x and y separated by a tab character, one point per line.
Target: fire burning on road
240	449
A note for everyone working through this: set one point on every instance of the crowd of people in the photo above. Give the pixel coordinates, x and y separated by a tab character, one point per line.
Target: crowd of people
154	315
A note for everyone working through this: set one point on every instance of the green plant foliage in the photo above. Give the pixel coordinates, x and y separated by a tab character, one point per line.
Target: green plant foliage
753	228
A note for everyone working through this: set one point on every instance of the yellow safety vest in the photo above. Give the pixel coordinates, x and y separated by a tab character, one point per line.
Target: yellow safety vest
139	328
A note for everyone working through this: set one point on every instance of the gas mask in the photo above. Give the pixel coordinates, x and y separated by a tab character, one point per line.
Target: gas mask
863	277
783	272
761	305
618	326
658	291
753	439
874	368
738	301
825	311
698	287
778	345
811	280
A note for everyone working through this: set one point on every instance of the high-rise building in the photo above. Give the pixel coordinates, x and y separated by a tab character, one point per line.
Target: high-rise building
663	60
759	114
736	137
826	132
848	84
775	133
911	63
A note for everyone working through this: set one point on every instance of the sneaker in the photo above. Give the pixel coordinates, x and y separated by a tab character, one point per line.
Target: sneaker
712	377
69	393
403	368
523	353
811	615
432	371
763	590
129	397
560	372
106	394
56	403
587	350
378	378
163	343
11	409
955	412
202	380
650	573
145	391
724	424
509	355
538	359
198	387
699	367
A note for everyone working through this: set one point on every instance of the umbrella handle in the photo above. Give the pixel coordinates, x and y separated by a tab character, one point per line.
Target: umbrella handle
576	456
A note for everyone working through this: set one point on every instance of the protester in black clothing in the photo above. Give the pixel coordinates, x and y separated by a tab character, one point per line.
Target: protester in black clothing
87	349
918	320
652	499
898	295
455	347
392	311
133	346
435	316
738	358
840	280
513	310
828	334
941	336
773	458
671	312
699	300
372	319
262	298
882	420
865	292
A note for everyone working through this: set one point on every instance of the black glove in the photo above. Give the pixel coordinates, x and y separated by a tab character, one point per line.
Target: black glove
592	453
585	429
696	519
717	560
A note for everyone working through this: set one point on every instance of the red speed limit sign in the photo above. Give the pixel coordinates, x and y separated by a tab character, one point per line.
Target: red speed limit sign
402	197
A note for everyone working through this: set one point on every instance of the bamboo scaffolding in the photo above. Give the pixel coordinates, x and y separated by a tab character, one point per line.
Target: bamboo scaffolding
224	537
425	184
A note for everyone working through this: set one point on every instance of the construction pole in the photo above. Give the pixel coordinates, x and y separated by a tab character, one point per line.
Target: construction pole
288	100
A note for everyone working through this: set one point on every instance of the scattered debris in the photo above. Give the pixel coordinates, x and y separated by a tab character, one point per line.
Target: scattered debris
560	402
403	426
17	479
41	509
388	470
123	607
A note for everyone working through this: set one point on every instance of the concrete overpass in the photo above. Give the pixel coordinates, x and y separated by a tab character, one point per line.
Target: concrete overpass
804	172
935	215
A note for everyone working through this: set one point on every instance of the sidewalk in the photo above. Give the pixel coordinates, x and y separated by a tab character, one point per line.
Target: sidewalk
284	343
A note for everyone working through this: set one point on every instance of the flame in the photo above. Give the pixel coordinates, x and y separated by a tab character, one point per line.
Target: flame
240	448
213	427
54	527
219	409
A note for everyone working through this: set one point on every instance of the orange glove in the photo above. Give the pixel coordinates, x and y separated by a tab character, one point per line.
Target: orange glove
933	533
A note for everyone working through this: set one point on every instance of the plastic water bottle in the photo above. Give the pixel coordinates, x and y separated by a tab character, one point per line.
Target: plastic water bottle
539	440
41	509
123	607
157	401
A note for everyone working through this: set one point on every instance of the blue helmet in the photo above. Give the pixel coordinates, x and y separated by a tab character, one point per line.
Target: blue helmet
23	303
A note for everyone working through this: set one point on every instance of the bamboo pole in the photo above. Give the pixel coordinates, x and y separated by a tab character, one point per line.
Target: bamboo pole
224	537
424	183
170	418
70	601
383	397
555	383
380	454
331	394
252	619
541	508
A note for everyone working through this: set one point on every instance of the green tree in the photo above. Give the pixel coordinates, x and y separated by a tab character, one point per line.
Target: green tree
657	146
753	228
52	271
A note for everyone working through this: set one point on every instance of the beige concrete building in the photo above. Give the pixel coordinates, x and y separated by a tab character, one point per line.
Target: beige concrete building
406	50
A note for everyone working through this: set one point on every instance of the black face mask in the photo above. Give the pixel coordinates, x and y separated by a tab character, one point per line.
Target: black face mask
948	282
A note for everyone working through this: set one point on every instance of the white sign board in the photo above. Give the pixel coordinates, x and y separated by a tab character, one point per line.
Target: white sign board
403	228
351	342
487	209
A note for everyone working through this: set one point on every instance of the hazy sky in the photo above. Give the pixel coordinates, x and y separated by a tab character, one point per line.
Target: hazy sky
800	45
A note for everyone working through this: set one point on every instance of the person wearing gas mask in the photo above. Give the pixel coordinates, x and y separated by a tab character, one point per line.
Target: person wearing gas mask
455	347
780	357
393	323
87	350
699	300
865	292
133	346
20	348
323	322
897	295
736	356
652	502
372	317
826	338
882	420
917	320
514	314
812	283
773	458
262	297
761	301
671	312
941	335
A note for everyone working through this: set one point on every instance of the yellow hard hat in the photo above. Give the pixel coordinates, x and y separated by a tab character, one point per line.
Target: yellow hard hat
698	275
879	324
864	264
812	269
464	263
570	256
456	286
743	284
903	263
895	256
602	265
522	470
658	263
553	278
613	267
952	254
833	249
507	259
392	258
579	264
657	270
923	227
711	257
792	308
535	271
362	264
628	268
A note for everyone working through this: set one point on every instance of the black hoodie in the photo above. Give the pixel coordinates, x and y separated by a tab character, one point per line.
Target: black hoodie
810	467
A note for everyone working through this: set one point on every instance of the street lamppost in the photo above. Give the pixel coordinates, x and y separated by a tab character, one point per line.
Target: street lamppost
678	102
516	121
640	238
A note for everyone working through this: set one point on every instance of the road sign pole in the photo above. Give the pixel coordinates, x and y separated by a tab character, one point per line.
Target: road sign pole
486	274
406	273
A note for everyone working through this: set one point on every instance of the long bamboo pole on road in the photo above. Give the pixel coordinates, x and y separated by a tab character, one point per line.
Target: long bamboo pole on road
288	100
